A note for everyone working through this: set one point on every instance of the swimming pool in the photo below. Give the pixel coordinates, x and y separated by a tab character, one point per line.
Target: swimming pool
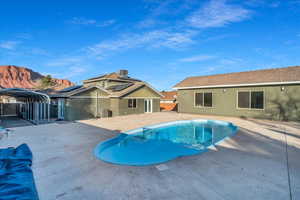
163	142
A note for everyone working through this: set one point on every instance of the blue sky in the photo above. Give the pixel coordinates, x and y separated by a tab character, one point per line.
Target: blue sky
161	42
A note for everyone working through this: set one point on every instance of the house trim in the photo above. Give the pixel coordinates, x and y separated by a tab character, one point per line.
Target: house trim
238	85
137	88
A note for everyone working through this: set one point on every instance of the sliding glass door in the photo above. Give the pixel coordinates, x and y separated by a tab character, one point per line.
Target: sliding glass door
148	106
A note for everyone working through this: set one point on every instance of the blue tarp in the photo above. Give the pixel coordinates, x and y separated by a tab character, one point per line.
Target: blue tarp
16	177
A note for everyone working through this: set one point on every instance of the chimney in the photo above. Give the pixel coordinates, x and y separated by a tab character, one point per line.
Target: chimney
123	73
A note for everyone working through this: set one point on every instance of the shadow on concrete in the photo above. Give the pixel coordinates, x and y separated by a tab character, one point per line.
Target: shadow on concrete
276	127
12	122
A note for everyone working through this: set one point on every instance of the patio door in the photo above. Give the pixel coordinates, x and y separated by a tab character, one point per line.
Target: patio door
61	109
148	106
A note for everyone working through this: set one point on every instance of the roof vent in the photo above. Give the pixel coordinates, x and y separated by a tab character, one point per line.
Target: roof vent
123	73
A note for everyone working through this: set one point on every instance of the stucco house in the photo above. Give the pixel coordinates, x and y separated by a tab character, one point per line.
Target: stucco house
108	95
269	93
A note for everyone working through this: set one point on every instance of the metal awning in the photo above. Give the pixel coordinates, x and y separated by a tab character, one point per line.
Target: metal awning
25	93
35	106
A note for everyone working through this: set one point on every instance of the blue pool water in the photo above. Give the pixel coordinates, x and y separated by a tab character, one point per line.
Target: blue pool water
163	142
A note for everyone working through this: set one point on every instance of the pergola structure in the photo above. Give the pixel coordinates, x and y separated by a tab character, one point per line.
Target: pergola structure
34	106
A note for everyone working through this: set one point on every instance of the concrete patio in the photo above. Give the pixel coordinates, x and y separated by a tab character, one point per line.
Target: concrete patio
260	162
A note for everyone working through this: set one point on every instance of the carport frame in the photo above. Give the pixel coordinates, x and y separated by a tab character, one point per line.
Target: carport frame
37	104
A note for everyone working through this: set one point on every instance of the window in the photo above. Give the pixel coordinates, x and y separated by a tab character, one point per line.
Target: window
253	100
203	99
207	99
257	100
131	103
199	99
243	99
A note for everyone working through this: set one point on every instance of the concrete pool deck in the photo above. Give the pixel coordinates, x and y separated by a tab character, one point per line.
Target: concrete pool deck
251	165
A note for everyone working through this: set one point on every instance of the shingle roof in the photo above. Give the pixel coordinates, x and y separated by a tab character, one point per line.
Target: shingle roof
267	76
112	76
111	93
69	89
116	88
125	86
127	90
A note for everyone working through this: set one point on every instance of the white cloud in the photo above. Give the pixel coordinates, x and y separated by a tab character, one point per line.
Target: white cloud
148	22
84	21
67	61
157	9
74	71
151	39
231	61
197	58
24	36
68	67
10	45
217	13
39	51
208	70
68	74
106	23
264	3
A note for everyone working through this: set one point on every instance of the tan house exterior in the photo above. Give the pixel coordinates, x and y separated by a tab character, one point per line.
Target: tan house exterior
270	93
109	95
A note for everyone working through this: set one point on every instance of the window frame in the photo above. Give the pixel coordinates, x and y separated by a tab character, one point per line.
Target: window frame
250	100
131	99
202	106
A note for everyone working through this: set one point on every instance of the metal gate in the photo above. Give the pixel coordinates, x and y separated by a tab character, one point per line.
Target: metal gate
9	109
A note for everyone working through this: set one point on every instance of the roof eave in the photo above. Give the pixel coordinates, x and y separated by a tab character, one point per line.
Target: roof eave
237	85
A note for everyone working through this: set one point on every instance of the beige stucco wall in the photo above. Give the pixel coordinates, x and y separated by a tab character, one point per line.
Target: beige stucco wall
85	108
124	110
80	108
143	92
92	103
278	104
140	94
114	106
87	104
156	105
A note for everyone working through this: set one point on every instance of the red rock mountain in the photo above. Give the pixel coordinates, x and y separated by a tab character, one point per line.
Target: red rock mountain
21	77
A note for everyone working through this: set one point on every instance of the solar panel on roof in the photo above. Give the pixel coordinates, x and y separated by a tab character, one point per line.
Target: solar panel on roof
128	78
69	89
116	88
